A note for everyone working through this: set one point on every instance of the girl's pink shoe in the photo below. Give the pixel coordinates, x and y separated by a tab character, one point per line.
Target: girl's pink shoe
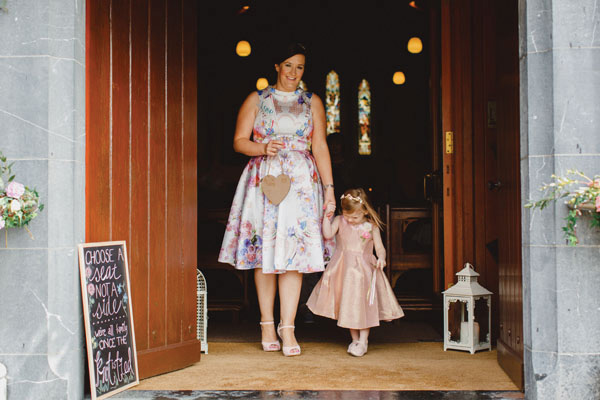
270	346
288	351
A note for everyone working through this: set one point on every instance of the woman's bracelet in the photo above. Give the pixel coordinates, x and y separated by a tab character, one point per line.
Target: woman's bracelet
328	185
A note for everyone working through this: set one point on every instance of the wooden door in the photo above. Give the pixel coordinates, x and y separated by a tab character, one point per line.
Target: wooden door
141	164
432	181
480	123
510	340
458	177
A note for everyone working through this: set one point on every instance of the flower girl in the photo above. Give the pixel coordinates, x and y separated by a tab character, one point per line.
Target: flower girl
354	290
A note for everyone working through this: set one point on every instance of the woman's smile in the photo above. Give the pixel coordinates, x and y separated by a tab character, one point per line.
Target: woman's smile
289	73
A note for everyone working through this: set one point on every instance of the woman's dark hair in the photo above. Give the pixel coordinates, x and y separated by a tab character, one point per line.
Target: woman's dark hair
289	50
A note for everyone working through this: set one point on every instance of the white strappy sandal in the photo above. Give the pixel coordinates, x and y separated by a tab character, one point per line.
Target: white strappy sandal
270	346
288	351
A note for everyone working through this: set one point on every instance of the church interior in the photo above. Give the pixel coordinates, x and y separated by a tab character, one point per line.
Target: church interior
373	66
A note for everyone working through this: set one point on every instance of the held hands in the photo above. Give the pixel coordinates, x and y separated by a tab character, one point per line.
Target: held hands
380	263
329	209
273	147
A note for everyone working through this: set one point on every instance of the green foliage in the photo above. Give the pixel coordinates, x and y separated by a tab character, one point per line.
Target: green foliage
5	170
579	200
595	223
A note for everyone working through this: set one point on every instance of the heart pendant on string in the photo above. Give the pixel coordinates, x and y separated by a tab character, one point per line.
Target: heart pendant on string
275	188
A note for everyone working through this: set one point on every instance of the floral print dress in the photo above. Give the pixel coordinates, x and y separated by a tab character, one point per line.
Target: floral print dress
284	237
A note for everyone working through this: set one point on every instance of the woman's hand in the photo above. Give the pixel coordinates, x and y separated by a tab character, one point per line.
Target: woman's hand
273	147
381	263
329	209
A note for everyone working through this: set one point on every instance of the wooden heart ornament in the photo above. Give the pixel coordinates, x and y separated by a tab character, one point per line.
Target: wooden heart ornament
276	188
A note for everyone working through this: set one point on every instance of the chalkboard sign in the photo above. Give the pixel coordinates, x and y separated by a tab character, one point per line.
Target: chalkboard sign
108	318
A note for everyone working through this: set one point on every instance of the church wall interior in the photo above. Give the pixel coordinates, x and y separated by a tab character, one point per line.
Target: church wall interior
367	42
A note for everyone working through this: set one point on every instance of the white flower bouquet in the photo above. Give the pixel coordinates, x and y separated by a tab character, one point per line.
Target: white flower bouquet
18	203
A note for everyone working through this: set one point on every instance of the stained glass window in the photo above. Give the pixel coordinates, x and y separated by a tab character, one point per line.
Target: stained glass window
364	118
332	102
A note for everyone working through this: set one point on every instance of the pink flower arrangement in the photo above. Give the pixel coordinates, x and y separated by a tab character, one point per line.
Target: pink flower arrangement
15	190
366	235
18	203
594	184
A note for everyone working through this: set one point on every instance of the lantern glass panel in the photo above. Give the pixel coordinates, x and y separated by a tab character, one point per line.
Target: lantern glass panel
482	317
457	313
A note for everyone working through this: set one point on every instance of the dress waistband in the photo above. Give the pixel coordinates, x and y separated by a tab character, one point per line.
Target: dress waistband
351	250
291	143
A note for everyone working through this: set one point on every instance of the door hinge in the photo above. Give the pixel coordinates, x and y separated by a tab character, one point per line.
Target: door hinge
449	142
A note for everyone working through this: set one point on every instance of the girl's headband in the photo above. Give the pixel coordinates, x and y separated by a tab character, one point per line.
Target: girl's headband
349	196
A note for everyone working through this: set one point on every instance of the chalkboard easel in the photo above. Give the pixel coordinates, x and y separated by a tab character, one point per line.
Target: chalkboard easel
108	318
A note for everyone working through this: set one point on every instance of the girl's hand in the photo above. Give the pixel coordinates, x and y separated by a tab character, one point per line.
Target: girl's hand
273	147
329	210
381	263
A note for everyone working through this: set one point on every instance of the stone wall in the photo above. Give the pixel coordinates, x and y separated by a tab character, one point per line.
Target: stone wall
42	129
560	130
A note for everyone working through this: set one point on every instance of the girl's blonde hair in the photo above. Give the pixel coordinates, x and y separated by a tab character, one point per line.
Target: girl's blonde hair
356	199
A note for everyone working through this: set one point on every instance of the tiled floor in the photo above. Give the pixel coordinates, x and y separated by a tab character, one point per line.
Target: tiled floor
320	395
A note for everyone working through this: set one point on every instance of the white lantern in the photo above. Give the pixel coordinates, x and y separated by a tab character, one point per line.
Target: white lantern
202	311
468	325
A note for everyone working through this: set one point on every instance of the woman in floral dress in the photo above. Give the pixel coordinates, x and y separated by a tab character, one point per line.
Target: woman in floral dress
280	242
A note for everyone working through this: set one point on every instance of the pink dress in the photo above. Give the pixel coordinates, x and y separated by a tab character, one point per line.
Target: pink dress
352	291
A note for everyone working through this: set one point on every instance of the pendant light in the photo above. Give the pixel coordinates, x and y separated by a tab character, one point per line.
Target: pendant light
243	48
415	45
262	83
399	78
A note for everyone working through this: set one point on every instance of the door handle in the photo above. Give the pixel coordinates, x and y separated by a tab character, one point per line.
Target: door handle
431	186
494	185
425	191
